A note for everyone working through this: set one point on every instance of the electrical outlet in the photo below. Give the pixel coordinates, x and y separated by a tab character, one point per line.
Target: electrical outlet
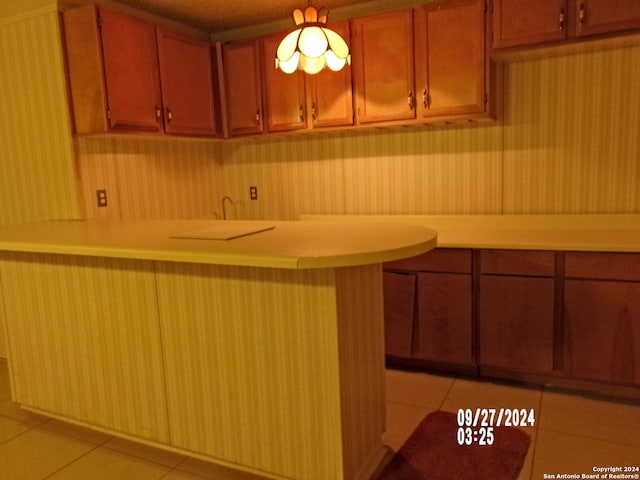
102	198
253	193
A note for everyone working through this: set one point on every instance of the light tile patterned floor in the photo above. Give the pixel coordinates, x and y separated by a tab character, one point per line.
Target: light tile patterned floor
572	434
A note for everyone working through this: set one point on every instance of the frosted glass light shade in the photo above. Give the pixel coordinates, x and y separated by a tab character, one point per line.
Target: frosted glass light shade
312	46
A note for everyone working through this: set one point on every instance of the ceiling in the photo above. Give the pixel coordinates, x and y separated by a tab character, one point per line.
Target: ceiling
223	15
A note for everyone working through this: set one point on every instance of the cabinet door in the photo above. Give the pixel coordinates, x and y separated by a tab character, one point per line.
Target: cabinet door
399	303
450	58
131	72
518	22
243	91
444	327
331	92
603	16
285	97
602	330
516	323
383	67
187	84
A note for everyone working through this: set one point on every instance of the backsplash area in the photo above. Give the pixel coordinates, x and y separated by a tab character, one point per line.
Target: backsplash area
568	143
149	177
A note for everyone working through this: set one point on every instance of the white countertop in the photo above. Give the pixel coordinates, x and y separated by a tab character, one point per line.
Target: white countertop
295	245
595	233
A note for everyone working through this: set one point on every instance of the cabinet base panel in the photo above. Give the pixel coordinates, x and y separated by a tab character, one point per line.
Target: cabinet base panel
597	389
555	382
430	366
149	443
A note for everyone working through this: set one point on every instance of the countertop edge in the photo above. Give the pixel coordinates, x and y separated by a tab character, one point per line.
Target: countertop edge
587	233
95	239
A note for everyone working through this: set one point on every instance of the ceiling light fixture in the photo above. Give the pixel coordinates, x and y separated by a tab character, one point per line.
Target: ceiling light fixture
312	46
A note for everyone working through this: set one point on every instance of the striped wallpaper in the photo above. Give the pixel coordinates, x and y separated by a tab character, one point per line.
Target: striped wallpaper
571	142
149	178
36	158
37	177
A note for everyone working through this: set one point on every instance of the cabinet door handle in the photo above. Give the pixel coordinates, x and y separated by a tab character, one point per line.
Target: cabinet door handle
582	14
561	19
426	99
158	113
169	115
257	116
410	100
313	111
301	113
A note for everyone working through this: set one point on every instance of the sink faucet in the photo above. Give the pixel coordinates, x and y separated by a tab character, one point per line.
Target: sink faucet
224	206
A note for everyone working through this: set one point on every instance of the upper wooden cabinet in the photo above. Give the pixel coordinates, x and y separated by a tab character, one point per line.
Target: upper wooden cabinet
299	101
187	84
125	78
383	67
451	61
113	71
330	94
243	87
520	22
605	16
411	65
285	94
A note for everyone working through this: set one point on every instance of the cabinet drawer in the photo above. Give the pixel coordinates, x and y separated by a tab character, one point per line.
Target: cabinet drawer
605	266
446	260
518	262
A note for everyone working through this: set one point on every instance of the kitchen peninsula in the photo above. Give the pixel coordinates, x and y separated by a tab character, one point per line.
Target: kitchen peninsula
263	352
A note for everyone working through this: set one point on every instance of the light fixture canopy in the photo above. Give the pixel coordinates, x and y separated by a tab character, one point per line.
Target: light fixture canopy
312	46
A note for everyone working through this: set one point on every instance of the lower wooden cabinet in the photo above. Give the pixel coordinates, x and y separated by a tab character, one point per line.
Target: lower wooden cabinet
602	317
569	319
444	329
399	302
516	313
429	307
602	331
516	323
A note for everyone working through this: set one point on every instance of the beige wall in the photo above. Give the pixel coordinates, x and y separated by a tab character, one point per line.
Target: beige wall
37	179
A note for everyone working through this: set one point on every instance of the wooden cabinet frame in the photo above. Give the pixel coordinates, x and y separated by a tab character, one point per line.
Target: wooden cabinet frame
127	75
588	299
520	24
439	323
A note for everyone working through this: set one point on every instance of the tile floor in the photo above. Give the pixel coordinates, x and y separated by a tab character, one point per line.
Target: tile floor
572	434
